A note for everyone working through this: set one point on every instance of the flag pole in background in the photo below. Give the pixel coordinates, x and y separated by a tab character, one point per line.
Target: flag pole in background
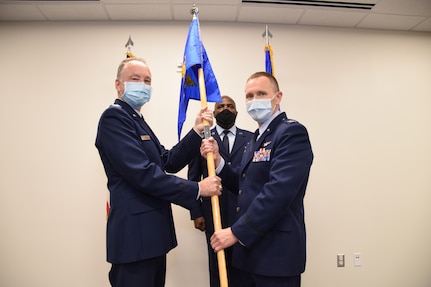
269	64
198	82
129	45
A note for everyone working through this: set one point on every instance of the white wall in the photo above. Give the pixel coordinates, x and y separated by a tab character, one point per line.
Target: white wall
364	95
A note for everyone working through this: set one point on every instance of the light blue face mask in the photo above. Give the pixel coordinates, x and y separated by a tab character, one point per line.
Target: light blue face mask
260	109
136	94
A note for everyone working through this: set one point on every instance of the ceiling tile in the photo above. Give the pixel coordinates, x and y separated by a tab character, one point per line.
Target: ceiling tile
139	12
423	26
20	13
391	22
136	1
403	7
73	12
331	18
207	12
207	2
265	14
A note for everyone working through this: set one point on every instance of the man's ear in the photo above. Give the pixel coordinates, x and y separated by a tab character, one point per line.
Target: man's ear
279	96
117	85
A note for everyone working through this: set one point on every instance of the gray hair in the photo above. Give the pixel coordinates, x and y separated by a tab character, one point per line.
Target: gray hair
123	63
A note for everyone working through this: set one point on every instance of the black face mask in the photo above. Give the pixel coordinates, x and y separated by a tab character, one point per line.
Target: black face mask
225	119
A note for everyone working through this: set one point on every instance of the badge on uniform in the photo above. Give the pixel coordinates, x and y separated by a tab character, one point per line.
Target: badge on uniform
145	138
262	155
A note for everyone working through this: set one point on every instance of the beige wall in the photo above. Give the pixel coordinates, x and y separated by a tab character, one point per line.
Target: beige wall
364	95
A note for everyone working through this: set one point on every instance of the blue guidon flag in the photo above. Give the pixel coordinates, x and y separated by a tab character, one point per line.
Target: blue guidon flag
195	57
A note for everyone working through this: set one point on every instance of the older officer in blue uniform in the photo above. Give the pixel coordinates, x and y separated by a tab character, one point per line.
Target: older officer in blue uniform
140	227
269	233
232	141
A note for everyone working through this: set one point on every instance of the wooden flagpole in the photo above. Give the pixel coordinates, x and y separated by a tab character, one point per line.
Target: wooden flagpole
221	259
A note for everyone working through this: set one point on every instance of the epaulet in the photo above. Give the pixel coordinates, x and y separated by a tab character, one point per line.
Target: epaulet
290	121
115	106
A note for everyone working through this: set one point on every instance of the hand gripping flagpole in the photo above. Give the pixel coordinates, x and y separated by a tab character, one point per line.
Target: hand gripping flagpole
221	259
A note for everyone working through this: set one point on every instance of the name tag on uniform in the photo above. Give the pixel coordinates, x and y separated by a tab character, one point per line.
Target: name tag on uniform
145	138
262	155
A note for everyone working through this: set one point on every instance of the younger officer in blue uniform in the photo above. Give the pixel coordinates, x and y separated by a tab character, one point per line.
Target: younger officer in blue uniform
268	236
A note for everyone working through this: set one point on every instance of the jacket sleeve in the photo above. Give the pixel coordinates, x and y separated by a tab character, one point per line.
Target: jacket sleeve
137	163
195	173
182	153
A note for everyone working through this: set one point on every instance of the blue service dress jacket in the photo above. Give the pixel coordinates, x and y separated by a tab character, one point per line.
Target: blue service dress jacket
271	185
140	223
227	200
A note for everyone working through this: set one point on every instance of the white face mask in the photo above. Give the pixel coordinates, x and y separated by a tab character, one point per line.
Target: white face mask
260	109
136	94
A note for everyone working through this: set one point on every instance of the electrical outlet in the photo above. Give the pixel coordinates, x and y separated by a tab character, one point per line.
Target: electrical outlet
357	260
340	260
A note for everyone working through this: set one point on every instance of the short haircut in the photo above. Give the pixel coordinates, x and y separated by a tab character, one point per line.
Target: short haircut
124	62
271	78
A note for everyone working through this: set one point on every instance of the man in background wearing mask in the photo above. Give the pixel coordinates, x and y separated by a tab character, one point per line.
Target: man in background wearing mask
232	141
140	228
268	236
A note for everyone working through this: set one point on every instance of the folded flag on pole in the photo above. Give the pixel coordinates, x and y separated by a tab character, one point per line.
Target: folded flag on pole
269	66
195	57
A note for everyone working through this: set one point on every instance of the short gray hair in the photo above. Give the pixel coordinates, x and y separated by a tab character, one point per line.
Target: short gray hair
123	63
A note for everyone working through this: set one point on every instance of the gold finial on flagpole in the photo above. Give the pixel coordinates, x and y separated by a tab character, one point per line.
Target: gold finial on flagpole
129	45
